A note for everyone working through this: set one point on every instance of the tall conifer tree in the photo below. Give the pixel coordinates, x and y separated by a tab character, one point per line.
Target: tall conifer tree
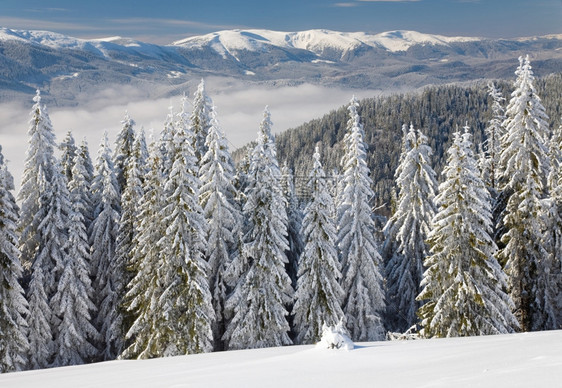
263	291
14	346
106	271
361	263
524	166
218	199
463	285
409	227
318	295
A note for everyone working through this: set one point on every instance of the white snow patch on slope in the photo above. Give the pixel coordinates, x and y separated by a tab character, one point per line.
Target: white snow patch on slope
515	360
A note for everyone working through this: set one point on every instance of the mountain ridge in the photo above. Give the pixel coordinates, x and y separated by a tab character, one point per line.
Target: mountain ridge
67	68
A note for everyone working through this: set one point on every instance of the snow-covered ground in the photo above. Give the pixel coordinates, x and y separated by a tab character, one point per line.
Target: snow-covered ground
517	360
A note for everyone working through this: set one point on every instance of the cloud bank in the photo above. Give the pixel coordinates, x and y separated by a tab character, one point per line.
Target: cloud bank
239	109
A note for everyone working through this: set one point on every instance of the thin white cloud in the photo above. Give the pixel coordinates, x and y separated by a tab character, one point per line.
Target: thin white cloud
36	24
389	1
152	22
345	5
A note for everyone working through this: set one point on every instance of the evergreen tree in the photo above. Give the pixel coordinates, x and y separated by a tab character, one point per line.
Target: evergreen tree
166	142
525	167
14	346
361	263
87	194
146	288
463	284
201	120
258	302
554	221
72	301
107	273
549	305
492	145
37	175
186	317
318	295
124	151
47	267
68	153
134	172
294	216
218	200
409	227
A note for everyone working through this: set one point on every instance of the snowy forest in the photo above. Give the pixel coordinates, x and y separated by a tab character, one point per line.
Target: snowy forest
166	247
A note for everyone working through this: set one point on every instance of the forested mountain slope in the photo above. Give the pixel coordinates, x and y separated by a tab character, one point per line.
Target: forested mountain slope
437	110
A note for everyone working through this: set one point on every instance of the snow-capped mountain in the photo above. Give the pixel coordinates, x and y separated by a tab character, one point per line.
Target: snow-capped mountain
315	41
66	68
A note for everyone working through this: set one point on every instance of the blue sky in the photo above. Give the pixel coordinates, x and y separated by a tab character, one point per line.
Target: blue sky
164	21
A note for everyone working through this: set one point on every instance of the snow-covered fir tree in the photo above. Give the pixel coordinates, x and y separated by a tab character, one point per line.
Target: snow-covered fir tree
187	315
134	173
47	267
224	217
263	291
318	295
88	172
361	263
72	301
555	216
492	145
200	119
146	288
68	151
409	227
463	286
106	272
166	141
37	174
524	167
294	225
14	346
549	304
124	150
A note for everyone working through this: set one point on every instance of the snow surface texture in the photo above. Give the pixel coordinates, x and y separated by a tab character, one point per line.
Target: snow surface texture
335	338
512	360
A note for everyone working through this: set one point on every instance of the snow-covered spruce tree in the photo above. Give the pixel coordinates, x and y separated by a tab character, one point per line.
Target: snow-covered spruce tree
200	119
492	145
47	267
390	244
106	272
463	285
263	291
409	227
123	150
14	346
72	301
361	263
165	143
218	199
68	151
88	195
145	289
318	295
549	303
524	167
37	174
294	225
134	174
186	316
